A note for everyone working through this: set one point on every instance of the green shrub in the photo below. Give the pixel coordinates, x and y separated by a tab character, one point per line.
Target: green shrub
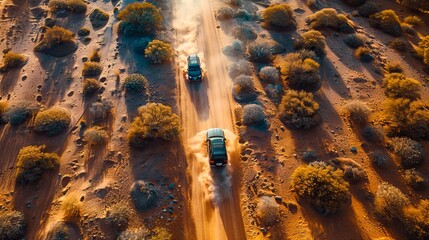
83	32
413	20
399	86
312	40
90	85
253	115
364	54
3	108
373	134
243	89
96	135
224	13
135	83
354	3
355	40
368	8
12	60
398	45
415	179
98	18
389	202
92	69
118	216
95	56
329	18
158	51
279	15
140	18
410	152
144	195
154	121
12	225
244	32
134	234
416	220
421	5
269	74
387	21
407	118
300	74
32	162
268	210
299	109
101	109
17	113
75	6
52	121
259	52
394	67
72	209
322	185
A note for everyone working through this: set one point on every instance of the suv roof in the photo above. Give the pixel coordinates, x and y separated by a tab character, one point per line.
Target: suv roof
215	132
193	60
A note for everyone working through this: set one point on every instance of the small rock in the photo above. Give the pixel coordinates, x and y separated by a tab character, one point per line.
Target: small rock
353	149
29	205
171	196
278	199
171	186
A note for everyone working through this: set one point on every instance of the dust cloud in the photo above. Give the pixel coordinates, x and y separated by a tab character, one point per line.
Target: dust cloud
216	182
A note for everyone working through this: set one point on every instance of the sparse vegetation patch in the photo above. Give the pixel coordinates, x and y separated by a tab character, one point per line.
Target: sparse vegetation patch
279	15
158	51
329	18
12	225
12	60
140	18
52	121
298	109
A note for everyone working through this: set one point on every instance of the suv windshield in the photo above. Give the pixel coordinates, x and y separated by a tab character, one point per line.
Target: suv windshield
194	68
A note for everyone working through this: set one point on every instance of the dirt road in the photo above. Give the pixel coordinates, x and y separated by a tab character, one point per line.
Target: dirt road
214	193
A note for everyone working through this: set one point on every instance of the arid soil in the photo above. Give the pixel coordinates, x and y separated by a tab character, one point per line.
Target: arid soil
196	201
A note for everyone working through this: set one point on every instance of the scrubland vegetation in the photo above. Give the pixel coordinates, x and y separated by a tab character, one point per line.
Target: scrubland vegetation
140	18
12	224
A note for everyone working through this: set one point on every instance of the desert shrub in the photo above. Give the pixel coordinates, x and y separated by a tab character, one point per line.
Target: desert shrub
354	174
92	69
242	67
32	162
98	18
154	121
398	45
410	152
253	115
118	216
3	107
389	202
312	40
144	195
57	41
135	83
18	113
407	118
408	28
415	179
101	109
140	18
413	20
158	51
399	86
300	74
322	185
96	135
304	54
269	74
298	109
259	52
355	40
12	225
224	13
243	89
160	233
416	220
72	209
329	18
12	60
90	85
364	54
423	49
244	32
76	6
421	5
95	56
268	210
358	112
379	160
134	234
61	231
394	67
52	121
373	134
368	8
279	15
354	3
236	48
245	15
83	32
387	21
